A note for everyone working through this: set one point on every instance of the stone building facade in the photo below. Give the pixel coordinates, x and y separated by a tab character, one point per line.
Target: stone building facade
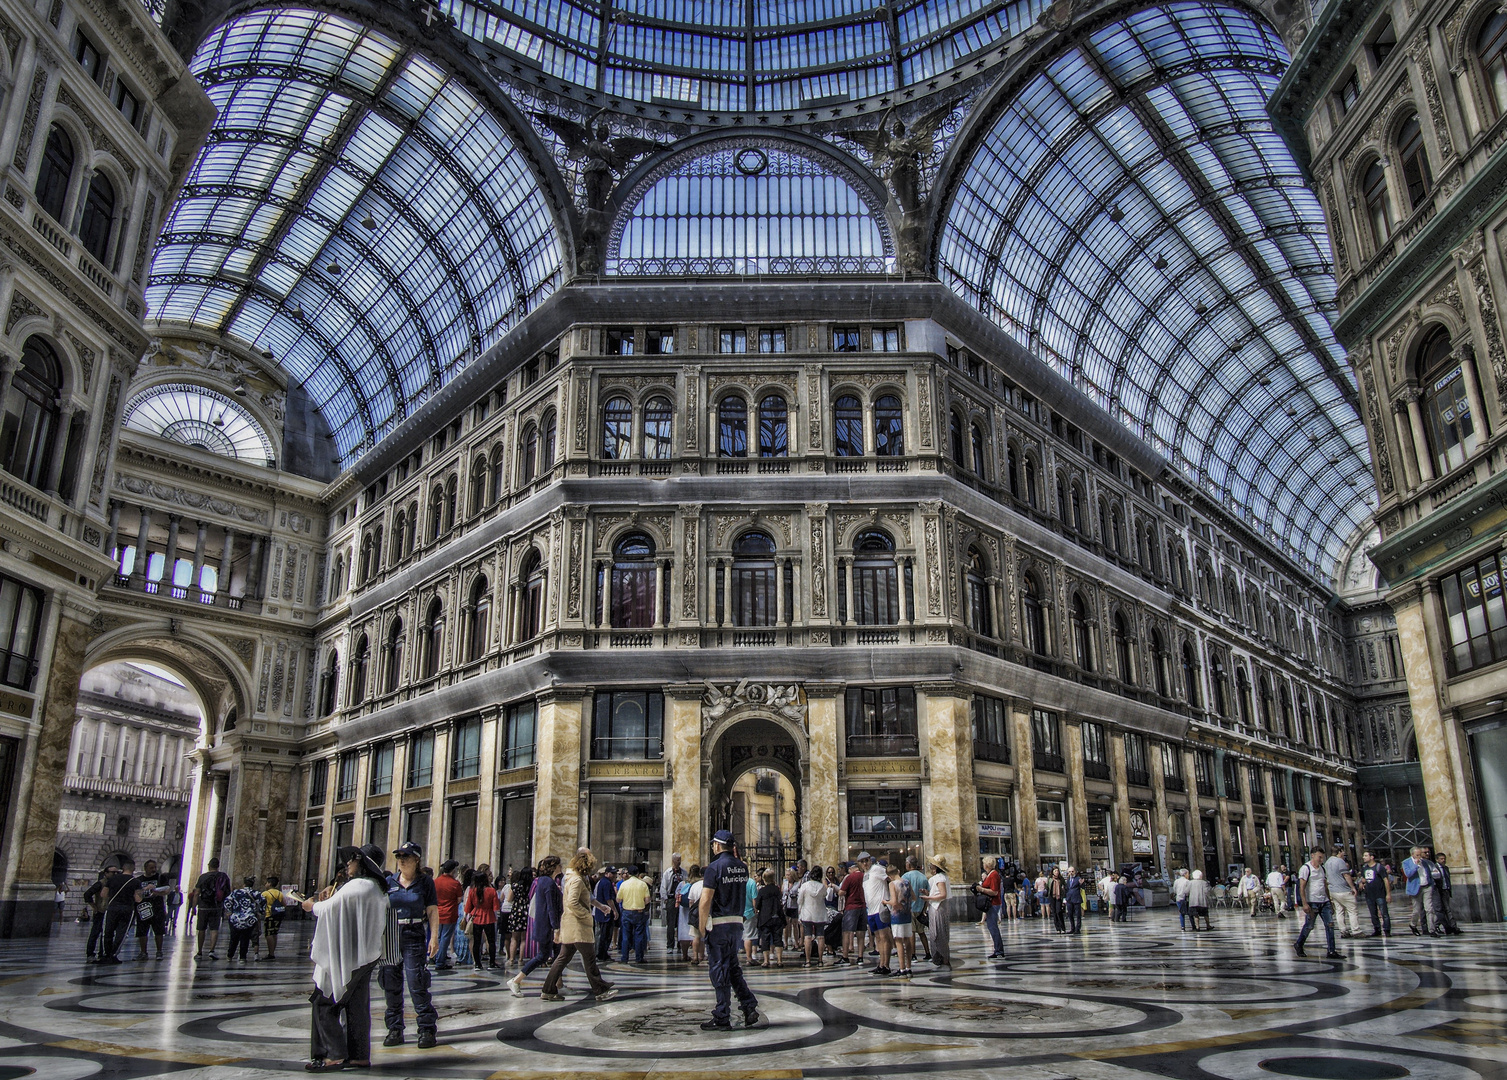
1402	109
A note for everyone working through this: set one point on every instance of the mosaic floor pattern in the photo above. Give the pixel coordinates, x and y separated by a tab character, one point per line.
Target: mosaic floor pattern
1118	1003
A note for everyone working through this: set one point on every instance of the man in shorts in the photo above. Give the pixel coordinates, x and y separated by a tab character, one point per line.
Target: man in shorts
853	909
209	893
876	894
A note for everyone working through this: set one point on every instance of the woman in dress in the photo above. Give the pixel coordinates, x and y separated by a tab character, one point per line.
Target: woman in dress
521	890
936	894
348	931
543	922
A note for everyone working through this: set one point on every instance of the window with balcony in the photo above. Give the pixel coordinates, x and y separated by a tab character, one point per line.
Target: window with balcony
627	724
420	759
360	662
881	721
30	425
1449	426
392	657
976	612
329	684
633	579
1033	616
379	771
1096	763
479	619
847	427
990	717
876	591
97	222
1137	766
20	621
889	427
754	580
732	427
774	427
345	777
519	742
1046	740
1378	204
531	576
56	173
1082	631
1417	177
1172	767
465	748
659	428
617	429
319	778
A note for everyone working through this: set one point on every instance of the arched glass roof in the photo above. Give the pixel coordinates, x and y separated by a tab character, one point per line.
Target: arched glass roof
197	416
355	210
1132	217
747	209
741	55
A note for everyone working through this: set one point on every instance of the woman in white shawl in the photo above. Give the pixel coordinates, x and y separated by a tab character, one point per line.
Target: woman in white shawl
347	946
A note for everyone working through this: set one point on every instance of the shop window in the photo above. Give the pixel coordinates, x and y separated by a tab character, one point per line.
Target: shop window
633	579
628	724
1046	740
881	721
1475	615
774	427
416	826
519	743
421	759
20	620
517	829
465	748
345	779
732	427
754	580
627	829
1099	832
995	837
886	822
379	770
56	173
990	740
462	846
659	427
377	824
1051	832
319	779
1137	766
345	832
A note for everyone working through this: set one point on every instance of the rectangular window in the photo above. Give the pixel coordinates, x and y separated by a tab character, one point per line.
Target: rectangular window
88	56
627	829
1137	770
462	846
618	341
345	780
772	339
319	779
1172	767
886	339
465	750
1349	92
128	103
20	618
1099	833
416	826
1475	616
732	341
1258	789
845	339
886	822
881	721
1051	831
376	828
1203	772
379	775
628	724
994	825
518	748
345	833
1046	740
421	759
659	340
1095	751
989	740
1232	777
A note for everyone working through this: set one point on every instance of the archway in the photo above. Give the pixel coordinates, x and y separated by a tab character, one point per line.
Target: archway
764	817
754	751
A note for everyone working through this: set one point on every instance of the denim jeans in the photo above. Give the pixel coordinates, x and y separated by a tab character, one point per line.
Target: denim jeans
1182	914
415	973
1381	917
1322	910
635	935
724	944
447	939
991	920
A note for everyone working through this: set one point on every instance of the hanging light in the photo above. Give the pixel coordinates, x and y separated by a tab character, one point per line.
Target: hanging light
333	269
1116	214
368	222
1160	262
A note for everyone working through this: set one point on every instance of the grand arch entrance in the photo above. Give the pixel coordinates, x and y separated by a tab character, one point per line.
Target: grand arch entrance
754	784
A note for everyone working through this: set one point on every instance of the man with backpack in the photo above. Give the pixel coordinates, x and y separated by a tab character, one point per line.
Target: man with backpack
274	906
209	893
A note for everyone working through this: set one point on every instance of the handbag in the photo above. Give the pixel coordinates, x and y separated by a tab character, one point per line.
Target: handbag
982	902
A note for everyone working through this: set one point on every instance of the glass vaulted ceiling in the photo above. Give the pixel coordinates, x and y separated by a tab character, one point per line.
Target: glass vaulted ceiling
1133	218
355	211
743	55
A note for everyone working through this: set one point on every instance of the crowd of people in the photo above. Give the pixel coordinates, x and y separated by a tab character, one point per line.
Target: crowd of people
398	925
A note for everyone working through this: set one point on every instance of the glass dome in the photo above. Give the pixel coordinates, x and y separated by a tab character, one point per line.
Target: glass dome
199	417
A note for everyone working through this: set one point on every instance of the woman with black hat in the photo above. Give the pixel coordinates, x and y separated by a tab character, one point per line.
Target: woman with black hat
347	946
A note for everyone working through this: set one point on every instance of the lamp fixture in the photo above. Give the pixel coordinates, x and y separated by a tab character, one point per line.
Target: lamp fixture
1160	262
1116	214
368	222
333	269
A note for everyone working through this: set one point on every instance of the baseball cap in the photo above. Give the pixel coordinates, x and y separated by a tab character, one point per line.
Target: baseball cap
862	855
722	836
410	848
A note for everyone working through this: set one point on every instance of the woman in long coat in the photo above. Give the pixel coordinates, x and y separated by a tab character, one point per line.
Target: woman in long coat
543	922
577	934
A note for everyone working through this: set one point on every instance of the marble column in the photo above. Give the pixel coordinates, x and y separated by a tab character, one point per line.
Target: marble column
1077	802
1420	440
1465	354
113	540
41	787
1122	852
222	583
1027	843
1159	825
557	792
170	559
200	537
948	798
1405	447
59	448
1195	811
143	533
823	829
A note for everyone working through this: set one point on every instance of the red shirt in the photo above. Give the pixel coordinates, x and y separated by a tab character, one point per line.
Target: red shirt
852	892
992	881
448	889
481	906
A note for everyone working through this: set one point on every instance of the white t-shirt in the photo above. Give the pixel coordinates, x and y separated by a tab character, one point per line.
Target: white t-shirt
505	898
812	898
937	888
876	888
1274	880
1318	891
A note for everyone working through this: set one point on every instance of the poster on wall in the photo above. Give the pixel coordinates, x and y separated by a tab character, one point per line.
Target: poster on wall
1140	832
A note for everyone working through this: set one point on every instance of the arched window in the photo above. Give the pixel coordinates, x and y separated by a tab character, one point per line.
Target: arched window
393	660
1083	641
1063	514
399	535
1265	693
376	548
434	638
617	429
529	465
1286	714
479	619
1012	469
1117	530
732	427
1191	675
1221	691
1029	476
31	413
876	583
366	567
659	429
531	597
774	427
360	661
1160	659
955	440
1416	173
1447	417
1077	508
98	219
1378	210
976	443
847	427
1491	50
1122	650
889	427
549	429
337	577
1243	693
413	528
498	466
450	500
1033	615
976	596
754	580
633	574
478	485
329	684
436	513
56	173
1231	598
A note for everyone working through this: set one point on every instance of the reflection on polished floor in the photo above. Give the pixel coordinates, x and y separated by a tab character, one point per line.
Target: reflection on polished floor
1119	1002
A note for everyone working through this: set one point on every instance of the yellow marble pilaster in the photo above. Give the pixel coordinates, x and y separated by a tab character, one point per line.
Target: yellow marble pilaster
683	758
1072	751
1159	826
822	830
557	795
1195	811
1027	844
1121	836
947	801
486	802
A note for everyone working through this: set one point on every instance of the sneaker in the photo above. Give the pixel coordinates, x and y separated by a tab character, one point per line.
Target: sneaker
428	1040
394	1038
1334	956
608	994
716	1025
551	997
515	985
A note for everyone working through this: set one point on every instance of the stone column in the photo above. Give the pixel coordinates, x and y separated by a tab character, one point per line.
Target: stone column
1025	787
113	540
199	538
948	801
1159	827
1077	803
1122	852
143	532
822	829
1195	812
171	558
59	447
254	570
1404	446
557	793
222	583
40	781
1420	440
1465	355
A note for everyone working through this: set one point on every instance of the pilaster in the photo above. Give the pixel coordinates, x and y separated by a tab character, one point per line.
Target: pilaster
1025	786
557	795
1077	803
948	798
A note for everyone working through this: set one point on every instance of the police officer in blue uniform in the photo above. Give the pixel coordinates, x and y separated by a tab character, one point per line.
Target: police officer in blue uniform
724	891
416	909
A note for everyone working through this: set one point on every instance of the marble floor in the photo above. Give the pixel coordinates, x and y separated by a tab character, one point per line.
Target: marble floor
1119	1003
